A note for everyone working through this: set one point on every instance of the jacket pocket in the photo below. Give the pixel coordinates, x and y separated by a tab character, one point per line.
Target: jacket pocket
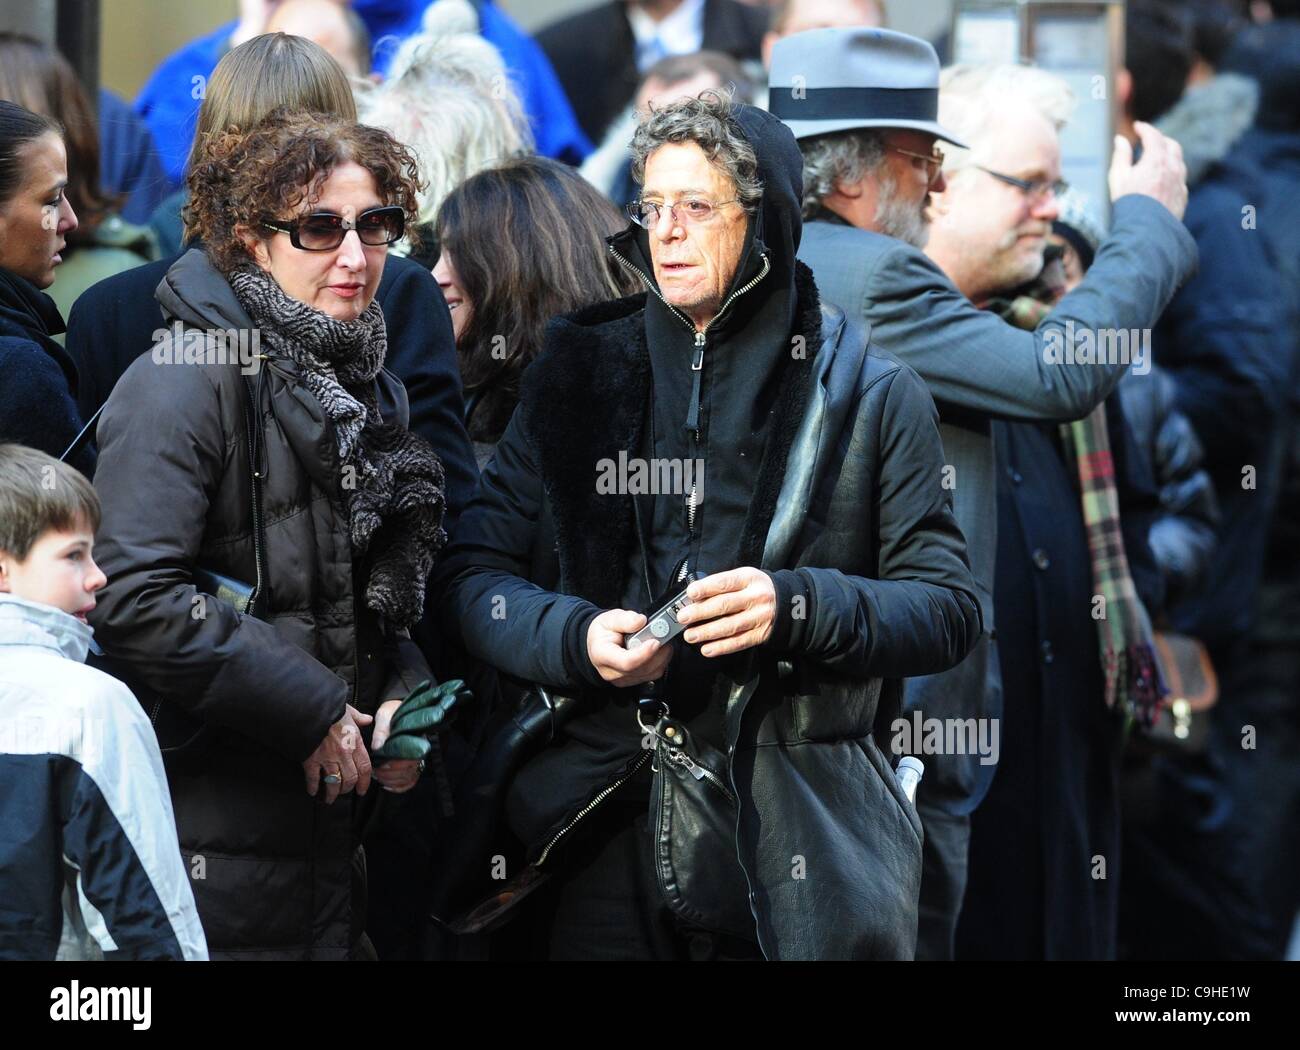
881	765
827	710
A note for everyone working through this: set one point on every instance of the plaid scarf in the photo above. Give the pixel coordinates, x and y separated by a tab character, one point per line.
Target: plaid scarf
1128	658
1124	631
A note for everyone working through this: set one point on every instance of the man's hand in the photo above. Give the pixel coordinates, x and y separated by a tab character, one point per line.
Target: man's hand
620	666
739	607
343	754
397	774
1159	172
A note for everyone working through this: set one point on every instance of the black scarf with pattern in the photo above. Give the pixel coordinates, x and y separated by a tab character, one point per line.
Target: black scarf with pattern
391	480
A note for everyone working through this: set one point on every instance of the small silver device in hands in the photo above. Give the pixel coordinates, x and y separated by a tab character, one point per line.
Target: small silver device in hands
663	625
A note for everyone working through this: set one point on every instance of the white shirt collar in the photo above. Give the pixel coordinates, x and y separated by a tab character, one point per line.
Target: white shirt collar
681	33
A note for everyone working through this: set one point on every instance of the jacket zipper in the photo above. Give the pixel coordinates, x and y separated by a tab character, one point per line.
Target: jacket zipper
699	336
604	794
697	365
255	426
698	771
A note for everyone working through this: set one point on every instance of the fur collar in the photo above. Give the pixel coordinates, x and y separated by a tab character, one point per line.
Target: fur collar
585	399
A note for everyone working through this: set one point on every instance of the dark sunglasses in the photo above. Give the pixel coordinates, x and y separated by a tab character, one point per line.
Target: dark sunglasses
324	231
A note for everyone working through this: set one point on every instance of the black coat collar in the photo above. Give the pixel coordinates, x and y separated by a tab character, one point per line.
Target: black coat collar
28	313
585	399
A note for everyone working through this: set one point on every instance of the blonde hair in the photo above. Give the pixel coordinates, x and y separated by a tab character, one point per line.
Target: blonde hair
448	96
266	73
271	72
970	95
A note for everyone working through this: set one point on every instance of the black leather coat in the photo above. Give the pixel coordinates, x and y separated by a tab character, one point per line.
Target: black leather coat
856	508
847	510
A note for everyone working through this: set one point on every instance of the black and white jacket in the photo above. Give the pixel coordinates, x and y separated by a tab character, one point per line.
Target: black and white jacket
89	863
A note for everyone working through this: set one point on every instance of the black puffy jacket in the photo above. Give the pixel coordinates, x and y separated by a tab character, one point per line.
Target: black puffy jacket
276	873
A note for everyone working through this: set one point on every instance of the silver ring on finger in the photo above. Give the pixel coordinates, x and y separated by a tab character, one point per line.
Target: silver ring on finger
331	778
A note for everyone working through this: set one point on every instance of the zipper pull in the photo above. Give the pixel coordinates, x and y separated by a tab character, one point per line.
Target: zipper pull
683	759
697	369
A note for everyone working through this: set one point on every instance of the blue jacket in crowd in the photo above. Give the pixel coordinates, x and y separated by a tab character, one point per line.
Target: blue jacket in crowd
169	102
128	161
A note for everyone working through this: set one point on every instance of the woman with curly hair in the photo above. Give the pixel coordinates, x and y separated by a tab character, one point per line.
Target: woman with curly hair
262	444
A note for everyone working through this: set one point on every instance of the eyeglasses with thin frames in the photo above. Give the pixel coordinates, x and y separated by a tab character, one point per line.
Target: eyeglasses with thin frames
685	212
324	231
1036	190
935	158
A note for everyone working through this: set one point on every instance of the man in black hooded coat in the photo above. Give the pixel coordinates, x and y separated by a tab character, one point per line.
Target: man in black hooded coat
832	567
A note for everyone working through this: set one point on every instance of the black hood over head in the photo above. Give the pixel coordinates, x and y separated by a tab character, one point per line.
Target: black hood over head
776	228
778	225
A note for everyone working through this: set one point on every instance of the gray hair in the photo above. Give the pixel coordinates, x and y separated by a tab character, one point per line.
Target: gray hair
970	95
708	121
449	97
842	157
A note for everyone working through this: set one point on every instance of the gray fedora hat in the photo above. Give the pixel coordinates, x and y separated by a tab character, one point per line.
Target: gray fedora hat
827	80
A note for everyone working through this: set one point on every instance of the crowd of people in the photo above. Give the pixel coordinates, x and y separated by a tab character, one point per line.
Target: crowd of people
522	498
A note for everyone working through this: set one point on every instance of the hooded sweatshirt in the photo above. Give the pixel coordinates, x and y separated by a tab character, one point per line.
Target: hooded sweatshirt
725	423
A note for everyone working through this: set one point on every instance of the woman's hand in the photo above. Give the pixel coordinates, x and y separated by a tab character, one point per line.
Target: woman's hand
397	774
342	754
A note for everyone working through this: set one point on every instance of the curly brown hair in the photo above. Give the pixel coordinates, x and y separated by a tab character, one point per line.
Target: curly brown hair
270	172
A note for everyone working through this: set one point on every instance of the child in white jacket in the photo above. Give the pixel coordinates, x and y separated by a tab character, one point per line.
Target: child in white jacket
84	803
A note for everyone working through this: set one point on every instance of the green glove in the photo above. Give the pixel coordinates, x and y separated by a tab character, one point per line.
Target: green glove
421	714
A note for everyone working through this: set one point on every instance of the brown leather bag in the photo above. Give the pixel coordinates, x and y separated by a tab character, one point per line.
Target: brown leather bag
1183	724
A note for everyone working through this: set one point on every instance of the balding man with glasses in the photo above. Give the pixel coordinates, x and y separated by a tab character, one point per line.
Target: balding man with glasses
864	105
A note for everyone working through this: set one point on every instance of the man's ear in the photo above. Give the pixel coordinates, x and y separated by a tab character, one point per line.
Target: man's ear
851	190
255	246
5	559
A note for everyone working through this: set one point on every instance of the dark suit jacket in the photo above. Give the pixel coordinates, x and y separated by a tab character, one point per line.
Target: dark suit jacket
114	322
594	54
